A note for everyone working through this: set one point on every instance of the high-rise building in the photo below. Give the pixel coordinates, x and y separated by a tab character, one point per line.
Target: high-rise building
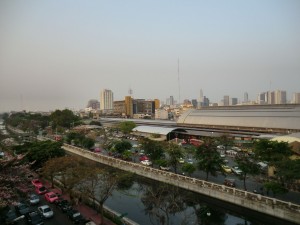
128	106
280	97
106	100
205	101
262	98
172	100
296	98
226	100
194	103
234	101
246	99
157	103
93	104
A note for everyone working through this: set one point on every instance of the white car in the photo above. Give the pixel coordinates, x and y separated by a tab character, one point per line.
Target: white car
146	162
45	211
236	170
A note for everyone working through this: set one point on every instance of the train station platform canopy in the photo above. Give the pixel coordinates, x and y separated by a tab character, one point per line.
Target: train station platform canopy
149	131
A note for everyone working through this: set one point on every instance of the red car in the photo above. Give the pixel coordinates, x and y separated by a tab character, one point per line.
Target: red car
36	183
143	157
40	190
51	197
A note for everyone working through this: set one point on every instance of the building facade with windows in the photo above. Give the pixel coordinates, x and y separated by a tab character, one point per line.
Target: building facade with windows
106	101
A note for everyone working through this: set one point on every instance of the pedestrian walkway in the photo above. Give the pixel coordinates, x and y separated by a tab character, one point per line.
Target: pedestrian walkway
85	210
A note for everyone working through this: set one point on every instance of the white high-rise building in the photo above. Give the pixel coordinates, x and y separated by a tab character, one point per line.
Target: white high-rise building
280	97
246	99
106	100
296	98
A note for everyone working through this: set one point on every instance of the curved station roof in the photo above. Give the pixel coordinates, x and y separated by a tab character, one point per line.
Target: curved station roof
156	130
271	117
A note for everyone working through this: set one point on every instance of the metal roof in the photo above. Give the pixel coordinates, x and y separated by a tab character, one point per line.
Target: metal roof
263	116
155	130
288	138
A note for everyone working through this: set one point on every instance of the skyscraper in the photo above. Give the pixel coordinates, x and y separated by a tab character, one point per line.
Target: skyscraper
246	97
171	100
280	97
106	100
296	98
226	100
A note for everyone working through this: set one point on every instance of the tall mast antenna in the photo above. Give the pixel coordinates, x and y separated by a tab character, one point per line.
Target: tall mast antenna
178	83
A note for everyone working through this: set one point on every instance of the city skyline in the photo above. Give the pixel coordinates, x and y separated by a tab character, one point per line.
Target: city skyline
61	54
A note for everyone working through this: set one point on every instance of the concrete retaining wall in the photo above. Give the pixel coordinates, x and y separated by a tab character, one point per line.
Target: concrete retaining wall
271	206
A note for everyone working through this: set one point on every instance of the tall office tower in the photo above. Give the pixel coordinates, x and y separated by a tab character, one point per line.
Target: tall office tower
280	97
262	98
226	100
296	98
172	100
200	101
194	103
106	100
234	101
246	97
128	106
271	97
205	101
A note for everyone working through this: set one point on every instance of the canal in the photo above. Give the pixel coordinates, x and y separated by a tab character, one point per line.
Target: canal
150	202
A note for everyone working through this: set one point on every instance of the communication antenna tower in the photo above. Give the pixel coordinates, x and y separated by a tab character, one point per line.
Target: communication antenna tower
178	84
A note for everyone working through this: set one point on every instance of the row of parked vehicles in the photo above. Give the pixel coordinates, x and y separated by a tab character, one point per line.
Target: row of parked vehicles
23	209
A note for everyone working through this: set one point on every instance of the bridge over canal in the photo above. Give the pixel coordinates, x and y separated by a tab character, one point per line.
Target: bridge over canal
271	206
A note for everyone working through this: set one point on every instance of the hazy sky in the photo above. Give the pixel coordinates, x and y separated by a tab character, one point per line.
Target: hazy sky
58	53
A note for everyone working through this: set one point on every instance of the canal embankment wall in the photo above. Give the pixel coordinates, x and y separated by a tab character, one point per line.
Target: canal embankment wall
263	204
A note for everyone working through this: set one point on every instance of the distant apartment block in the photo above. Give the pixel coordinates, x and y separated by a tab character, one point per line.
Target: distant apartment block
296	98
161	114
233	101
226	100
93	104
106	101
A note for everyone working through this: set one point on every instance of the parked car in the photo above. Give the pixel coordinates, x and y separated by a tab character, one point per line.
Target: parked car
33	199
75	216
11	216
143	157
146	162
190	161
37	183
51	197
34	218
40	190
229	182
181	160
226	169
236	170
63	204
22	208
45	211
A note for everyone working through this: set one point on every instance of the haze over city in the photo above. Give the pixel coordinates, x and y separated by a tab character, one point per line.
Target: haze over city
57	54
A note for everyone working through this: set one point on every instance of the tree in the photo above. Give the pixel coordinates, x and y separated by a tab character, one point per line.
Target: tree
40	152
122	146
126	126
247	165
161	201
209	160
275	187
63	118
188	168
175	153
153	149
272	151
108	183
